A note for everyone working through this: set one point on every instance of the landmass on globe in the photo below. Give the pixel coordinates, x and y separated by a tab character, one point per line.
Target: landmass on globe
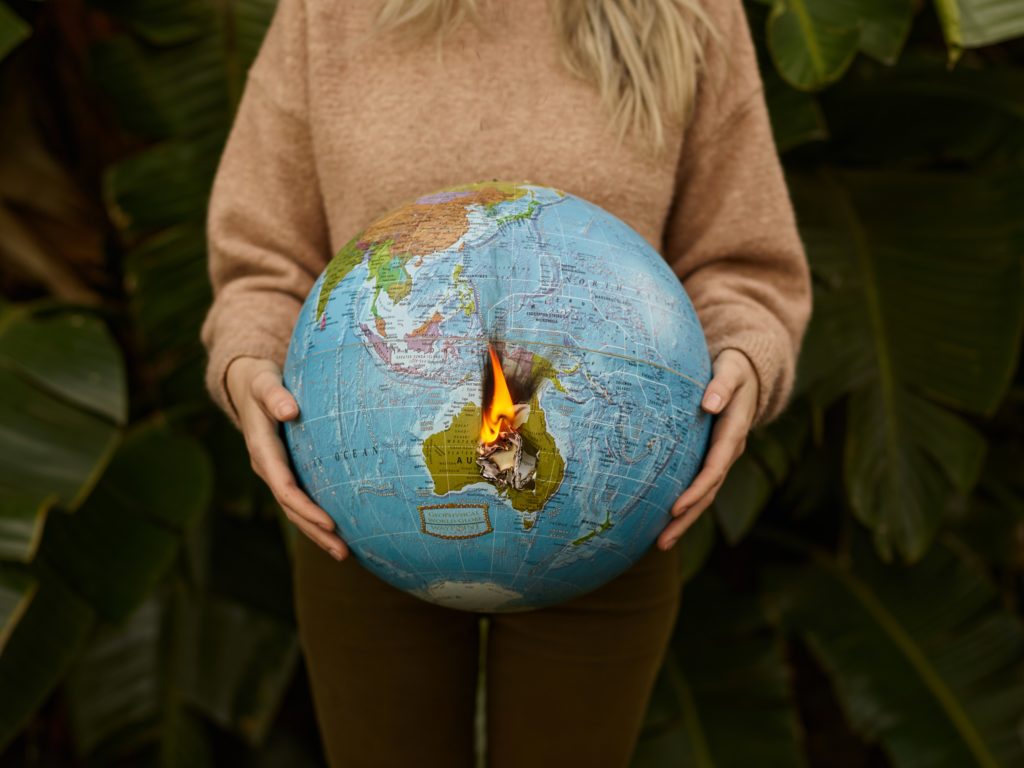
449	489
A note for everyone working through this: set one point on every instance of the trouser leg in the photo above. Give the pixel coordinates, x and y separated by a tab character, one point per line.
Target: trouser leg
393	677
569	685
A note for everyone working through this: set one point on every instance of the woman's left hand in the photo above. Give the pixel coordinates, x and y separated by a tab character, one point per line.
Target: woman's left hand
732	394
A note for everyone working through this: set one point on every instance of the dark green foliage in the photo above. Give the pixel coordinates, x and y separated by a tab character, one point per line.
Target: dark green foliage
862	605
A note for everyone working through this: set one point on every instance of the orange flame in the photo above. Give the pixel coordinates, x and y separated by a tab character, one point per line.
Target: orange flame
501	411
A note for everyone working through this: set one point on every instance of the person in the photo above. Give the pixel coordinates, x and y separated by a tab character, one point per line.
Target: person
654	110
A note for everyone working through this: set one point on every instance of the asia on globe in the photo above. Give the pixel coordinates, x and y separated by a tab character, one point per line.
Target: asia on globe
499	391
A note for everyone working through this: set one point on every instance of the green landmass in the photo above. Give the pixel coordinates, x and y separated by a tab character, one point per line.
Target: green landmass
389	271
605	526
343	262
450	456
521	216
388	262
550	464
545	369
467	300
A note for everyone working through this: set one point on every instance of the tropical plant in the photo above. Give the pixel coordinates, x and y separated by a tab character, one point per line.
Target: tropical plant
854	596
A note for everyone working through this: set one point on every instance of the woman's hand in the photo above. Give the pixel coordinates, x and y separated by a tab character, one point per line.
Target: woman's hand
731	393
254	386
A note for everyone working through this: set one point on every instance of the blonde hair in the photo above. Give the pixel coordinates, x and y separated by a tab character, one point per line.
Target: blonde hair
642	56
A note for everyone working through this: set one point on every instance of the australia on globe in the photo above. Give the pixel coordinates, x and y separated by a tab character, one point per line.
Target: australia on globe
499	392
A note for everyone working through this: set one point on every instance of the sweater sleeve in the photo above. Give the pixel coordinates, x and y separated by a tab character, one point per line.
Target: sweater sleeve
731	235
266	230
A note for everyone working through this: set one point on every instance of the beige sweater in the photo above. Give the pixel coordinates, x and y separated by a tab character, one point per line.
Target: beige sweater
334	129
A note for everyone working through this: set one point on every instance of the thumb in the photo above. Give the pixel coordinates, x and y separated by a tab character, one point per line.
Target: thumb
728	376
275	401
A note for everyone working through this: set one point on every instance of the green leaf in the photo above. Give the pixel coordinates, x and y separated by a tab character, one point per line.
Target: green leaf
973	23
910	329
924	659
163	474
695	546
770	453
813	41
992	521
116	683
22	518
796	117
124	697
44	644
127	534
968	118
184	95
47	445
725	676
13	30
241	663
17	588
62	390
741	497
70	354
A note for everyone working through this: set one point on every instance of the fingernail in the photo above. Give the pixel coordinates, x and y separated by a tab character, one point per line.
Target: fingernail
336	554
679	511
713	401
672	542
286	411
326	526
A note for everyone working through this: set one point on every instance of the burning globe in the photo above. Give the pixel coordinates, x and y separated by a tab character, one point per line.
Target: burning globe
499	389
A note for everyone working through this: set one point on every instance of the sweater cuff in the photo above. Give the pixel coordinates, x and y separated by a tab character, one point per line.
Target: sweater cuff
265	334
770	357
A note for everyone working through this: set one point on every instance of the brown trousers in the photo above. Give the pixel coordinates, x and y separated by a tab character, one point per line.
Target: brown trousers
394	678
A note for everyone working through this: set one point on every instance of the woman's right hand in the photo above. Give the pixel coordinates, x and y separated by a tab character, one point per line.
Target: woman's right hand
255	388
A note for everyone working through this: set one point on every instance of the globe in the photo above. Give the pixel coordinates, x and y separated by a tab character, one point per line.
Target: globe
499	389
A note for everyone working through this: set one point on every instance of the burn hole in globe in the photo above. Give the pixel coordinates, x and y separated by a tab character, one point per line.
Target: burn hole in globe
505	457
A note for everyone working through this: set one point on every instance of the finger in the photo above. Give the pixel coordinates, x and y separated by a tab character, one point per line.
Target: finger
674	530
727	379
270	462
276	401
727	438
328	542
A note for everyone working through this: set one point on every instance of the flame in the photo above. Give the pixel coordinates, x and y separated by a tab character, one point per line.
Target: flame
501	411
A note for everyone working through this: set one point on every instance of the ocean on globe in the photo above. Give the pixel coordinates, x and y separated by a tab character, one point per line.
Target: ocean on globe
499	389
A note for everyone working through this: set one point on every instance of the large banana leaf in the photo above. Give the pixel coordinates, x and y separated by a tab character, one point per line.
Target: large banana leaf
118	685
138	686
102	561
723	697
17	588
920	115
917	315
813	42
22	518
796	117
240	662
127	534
177	80
45	642
924	659
973	23
62	399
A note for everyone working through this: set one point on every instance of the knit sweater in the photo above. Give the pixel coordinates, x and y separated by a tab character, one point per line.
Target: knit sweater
335	128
